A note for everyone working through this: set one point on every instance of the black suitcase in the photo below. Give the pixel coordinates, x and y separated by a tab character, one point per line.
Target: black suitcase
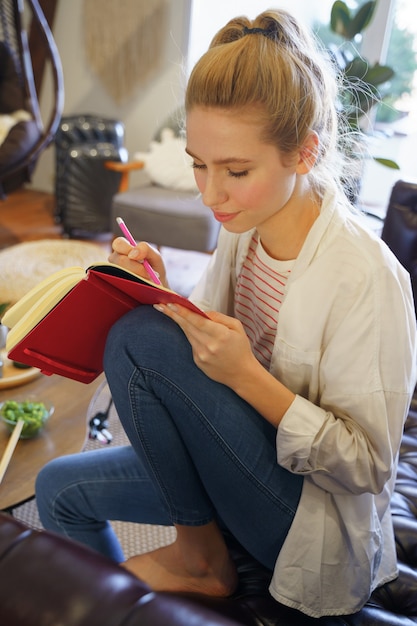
84	188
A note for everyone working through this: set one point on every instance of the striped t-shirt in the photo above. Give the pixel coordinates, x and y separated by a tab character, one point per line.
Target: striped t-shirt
259	295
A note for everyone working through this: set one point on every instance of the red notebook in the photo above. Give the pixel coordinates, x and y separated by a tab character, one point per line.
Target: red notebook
61	325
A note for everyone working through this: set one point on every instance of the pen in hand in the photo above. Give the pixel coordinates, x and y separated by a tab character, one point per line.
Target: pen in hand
132	242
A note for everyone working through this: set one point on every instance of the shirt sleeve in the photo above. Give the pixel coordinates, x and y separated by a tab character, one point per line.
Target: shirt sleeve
347	441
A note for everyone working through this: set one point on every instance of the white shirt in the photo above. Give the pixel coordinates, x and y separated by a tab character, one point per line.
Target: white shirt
345	345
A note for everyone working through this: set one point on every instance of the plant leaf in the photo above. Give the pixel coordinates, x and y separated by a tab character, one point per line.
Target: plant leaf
340	18
379	74
361	19
357	69
387	163
3	307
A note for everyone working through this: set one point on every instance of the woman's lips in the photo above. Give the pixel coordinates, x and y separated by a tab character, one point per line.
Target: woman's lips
224	217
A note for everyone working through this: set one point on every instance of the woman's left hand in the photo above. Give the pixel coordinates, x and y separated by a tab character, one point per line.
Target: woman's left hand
220	346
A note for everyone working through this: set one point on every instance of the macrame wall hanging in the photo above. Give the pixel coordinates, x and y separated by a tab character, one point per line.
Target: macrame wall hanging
125	41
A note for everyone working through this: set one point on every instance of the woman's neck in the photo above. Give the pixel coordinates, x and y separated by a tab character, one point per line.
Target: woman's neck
283	236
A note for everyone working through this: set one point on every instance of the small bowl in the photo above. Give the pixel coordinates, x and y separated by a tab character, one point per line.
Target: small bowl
35	413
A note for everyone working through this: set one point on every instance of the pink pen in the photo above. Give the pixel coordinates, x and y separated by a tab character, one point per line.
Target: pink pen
131	240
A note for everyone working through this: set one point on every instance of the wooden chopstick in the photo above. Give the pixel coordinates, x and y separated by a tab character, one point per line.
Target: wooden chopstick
7	455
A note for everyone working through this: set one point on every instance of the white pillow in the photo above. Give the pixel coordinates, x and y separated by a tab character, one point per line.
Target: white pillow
167	164
7	121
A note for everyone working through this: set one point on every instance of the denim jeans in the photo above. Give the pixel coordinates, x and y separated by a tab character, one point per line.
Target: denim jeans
199	452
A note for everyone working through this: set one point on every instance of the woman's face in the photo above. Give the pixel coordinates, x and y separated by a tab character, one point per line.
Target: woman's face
242	179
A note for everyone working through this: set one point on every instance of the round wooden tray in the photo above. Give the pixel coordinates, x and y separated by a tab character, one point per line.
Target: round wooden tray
14	376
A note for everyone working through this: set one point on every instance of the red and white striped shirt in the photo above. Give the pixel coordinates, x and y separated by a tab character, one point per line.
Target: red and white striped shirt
259	295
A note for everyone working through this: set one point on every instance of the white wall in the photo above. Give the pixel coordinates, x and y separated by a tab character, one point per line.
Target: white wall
143	113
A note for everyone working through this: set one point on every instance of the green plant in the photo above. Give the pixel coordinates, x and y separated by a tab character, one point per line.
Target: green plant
3	307
363	85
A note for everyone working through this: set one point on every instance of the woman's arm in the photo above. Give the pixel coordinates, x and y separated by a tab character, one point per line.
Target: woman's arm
221	349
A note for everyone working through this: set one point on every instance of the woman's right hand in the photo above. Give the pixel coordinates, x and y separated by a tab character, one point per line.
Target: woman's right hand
131	258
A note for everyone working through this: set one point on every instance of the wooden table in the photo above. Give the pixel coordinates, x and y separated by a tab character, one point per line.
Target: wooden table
64	433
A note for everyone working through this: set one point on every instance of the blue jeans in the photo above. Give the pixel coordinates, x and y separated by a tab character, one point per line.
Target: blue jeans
199	452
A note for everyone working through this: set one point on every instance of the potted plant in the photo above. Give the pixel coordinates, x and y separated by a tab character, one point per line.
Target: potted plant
362	84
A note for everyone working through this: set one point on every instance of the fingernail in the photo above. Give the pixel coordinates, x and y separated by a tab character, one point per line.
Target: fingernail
172	306
158	307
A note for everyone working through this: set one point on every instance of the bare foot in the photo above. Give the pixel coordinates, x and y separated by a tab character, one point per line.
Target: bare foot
165	569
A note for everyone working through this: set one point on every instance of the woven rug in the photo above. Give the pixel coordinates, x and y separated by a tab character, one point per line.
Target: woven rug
24	265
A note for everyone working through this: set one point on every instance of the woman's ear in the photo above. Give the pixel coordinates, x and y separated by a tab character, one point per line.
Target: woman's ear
308	153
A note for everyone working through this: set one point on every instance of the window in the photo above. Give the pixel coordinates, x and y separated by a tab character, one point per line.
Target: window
396	123
402	57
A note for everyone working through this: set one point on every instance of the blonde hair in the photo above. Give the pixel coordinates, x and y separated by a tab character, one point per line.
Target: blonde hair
273	62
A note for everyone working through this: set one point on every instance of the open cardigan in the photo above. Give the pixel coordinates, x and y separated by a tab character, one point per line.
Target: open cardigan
345	345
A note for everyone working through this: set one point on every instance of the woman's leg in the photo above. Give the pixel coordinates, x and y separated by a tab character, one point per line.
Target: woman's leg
210	453
77	495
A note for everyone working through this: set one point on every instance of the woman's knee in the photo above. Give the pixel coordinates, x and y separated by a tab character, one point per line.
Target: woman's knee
140	336
48	478
50	482
124	333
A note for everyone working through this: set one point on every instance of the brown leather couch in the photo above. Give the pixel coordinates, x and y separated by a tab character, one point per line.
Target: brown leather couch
400	227
48	580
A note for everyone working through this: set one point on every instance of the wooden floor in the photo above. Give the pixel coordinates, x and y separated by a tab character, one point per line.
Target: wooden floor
26	215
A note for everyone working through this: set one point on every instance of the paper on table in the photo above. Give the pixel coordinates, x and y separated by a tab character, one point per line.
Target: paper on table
14	438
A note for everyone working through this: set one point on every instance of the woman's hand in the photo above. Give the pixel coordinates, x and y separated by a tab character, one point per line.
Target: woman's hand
220	346
131	258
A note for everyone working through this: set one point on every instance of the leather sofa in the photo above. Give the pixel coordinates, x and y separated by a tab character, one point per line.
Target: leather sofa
49	580
400	227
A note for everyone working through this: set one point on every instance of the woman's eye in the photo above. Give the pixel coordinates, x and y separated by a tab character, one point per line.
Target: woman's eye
238	174
201	166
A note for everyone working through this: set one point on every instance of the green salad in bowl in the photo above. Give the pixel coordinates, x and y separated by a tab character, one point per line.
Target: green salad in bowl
32	412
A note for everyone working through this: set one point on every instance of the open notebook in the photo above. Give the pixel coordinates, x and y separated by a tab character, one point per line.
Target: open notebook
61	325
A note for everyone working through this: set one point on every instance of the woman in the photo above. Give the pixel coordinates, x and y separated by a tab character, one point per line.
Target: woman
278	417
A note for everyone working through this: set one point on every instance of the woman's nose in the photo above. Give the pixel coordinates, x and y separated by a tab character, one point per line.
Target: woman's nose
212	193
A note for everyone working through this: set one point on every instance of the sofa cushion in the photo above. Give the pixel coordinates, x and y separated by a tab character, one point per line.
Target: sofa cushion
167	164
164	217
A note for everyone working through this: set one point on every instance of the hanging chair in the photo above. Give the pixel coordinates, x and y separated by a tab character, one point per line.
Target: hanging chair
24	134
